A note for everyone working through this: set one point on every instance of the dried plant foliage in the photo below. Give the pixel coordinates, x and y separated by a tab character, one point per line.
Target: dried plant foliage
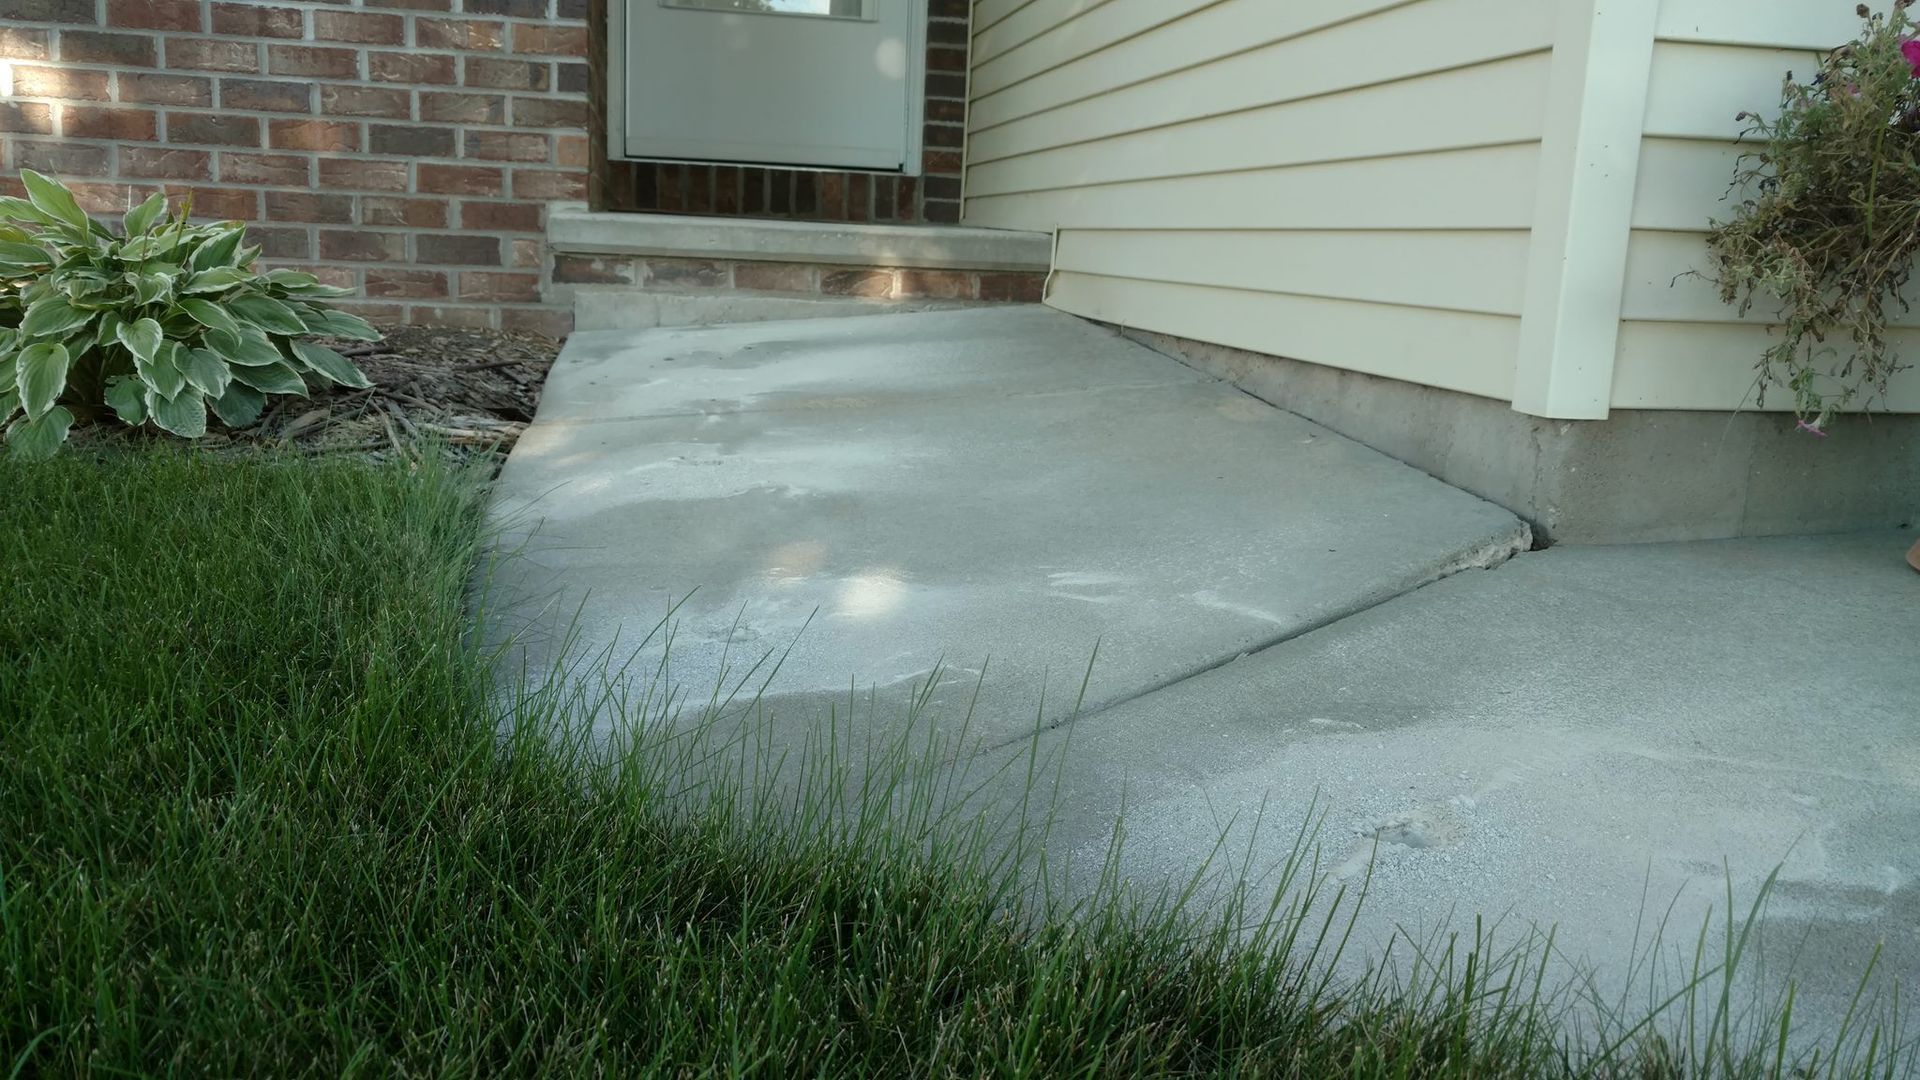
1829	221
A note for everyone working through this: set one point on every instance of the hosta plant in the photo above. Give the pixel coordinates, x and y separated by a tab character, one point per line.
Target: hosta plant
158	322
1828	222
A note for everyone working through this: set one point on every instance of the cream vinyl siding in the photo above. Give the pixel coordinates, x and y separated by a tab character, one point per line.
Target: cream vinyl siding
1350	182
1679	346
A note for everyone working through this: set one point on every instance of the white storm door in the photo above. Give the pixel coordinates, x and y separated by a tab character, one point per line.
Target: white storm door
821	83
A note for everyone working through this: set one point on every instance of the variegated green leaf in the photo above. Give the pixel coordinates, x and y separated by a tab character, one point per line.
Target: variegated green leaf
204	369
149	287
108	329
218	279
51	317
16	209
38	438
141	218
272	379
17	257
209	314
9	404
267	313
250	347
41	376
9	371
184	414
342	325
53	200
218	251
142	338
330	365
240	405
162	372
127	397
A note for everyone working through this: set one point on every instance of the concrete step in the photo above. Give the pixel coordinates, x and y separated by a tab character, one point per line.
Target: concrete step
626	307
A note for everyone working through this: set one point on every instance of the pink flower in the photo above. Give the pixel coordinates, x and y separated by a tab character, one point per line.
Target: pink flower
1814	429
1910	49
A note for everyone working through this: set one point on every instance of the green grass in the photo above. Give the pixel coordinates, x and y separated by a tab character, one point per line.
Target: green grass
261	810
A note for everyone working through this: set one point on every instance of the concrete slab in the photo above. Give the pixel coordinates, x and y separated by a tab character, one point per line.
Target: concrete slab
628	308
1551	737
997	486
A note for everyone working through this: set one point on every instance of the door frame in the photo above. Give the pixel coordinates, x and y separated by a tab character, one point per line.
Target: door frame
616	119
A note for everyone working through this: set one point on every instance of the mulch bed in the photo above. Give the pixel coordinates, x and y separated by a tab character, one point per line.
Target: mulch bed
471	391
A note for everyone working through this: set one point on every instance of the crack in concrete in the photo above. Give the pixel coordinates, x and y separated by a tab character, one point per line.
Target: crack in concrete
1493	553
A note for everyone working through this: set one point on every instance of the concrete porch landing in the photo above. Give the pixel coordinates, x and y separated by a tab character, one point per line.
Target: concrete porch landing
1005	486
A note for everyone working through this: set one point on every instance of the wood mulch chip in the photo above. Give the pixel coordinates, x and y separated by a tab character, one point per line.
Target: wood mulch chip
471	391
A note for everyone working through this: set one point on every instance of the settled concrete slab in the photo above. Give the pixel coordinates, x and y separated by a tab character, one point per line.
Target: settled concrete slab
998	486
1551	737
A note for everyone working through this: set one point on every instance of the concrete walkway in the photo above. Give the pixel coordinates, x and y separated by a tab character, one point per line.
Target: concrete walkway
1005	487
1283	618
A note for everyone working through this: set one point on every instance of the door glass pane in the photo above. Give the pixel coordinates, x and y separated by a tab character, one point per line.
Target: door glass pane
835	9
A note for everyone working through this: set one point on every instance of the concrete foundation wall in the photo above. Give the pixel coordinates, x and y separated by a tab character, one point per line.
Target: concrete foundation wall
1641	475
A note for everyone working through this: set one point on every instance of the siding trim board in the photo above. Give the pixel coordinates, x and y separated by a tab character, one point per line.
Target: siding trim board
1590	160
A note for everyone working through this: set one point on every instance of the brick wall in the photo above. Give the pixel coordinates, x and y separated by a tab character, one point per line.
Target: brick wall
809	195
405	148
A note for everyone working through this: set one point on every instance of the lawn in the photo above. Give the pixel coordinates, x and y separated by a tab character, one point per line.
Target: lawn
260	816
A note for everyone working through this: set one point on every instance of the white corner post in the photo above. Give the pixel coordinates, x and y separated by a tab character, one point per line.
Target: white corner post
1583	217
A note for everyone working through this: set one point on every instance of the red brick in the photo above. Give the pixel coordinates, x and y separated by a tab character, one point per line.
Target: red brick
548	322
460	179
26	118
570	78
506	217
211	54
872	283
325	136
359	245
61	11
407	284
73	84
84	122
309	206
149	89
470	35
360	27
110	198
282	243
947	136
548	184
165	163
774	277
182	16
407	213
216	129
571	151
390	102
549	112
120	50
461	249
358	174
410	140
526	251
416	68
289	170
504	74
378	314
257	20
593	270
499	287
508	146
452	108
940	110
477	318
230	204
1012	288
309	60
687	273
938	284
519	9
266	95
20	43
546	39
63	158
413	5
